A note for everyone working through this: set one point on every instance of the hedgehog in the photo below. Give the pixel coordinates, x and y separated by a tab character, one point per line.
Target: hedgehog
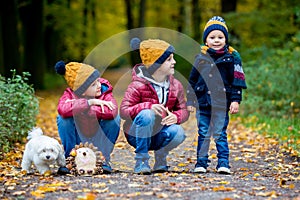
85	160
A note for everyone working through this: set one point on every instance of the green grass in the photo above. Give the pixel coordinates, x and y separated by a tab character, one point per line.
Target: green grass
287	131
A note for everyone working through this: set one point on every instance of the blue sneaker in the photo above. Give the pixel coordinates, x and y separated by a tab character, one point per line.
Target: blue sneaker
160	165
160	168
106	168
142	168
223	167
200	170
63	171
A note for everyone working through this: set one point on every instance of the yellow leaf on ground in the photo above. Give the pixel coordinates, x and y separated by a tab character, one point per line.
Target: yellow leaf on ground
213	156
182	164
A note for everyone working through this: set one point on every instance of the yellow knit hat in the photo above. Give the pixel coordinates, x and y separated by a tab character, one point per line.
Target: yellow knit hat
153	52
79	76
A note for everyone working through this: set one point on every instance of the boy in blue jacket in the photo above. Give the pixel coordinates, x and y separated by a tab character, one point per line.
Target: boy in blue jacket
216	83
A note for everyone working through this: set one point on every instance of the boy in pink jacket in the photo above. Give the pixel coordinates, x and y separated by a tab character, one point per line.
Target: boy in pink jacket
87	110
153	106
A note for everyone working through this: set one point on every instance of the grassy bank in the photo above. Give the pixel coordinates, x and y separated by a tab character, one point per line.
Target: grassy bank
286	131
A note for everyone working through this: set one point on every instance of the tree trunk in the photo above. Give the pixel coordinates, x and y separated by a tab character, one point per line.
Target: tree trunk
129	15
142	13
10	45
196	20
85	26
181	16
228	6
31	13
134	55
53	43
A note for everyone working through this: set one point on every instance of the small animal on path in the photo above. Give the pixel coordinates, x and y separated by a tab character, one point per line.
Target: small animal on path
42	151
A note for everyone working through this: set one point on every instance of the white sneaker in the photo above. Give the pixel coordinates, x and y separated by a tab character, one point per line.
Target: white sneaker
199	170
224	170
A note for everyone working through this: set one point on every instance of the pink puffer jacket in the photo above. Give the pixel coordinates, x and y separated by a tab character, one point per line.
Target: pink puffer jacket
86	117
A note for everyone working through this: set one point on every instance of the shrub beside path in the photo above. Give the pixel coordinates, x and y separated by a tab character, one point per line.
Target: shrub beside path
260	170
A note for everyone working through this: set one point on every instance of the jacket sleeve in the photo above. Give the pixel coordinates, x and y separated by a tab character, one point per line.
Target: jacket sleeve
107	95
107	114
131	105
239	81
180	109
193	78
191	96
69	104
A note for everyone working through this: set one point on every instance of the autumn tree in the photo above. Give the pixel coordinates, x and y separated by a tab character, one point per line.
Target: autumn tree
31	15
9	40
196	19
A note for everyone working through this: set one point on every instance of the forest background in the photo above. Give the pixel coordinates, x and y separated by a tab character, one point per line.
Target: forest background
35	34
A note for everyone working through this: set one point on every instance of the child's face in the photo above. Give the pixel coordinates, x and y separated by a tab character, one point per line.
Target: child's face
216	40
94	90
167	68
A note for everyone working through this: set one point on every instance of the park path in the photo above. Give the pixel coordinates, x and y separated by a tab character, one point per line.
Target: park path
260	170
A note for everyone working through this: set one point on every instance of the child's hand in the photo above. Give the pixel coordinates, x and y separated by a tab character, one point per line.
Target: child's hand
159	110
69	100
101	103
191	108
234	107
169	119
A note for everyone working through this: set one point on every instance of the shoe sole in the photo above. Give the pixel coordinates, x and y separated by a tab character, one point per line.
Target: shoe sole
143	173
159	171
107	172
223	171
200	171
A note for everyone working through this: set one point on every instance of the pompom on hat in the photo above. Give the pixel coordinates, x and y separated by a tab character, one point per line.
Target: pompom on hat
215	23
153	52
79	76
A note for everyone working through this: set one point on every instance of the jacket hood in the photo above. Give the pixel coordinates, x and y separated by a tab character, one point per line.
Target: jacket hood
139	73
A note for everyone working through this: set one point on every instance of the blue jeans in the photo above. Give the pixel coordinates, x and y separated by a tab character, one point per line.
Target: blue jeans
146	133
104	139
212	123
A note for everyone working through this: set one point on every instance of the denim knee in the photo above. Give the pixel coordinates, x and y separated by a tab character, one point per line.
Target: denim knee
145	117
111	128
67	133
176	136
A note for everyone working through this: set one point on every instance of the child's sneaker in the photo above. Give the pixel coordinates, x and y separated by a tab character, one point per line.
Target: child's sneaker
160	169
63	171
142	168
223	170
200	170
106	168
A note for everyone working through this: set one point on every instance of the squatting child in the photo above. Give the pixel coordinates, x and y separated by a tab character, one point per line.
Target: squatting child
153	106
87	110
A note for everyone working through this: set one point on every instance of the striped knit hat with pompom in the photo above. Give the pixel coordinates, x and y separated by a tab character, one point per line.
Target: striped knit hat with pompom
153	52
79	76
215	23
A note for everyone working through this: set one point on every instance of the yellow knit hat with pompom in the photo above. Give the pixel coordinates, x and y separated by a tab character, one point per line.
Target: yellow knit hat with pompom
79	76
153	52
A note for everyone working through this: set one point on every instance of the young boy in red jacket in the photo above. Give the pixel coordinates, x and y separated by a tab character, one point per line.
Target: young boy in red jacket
153	106
87	110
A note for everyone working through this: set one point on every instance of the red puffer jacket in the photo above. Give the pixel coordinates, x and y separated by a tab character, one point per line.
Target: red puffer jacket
86	117
140	95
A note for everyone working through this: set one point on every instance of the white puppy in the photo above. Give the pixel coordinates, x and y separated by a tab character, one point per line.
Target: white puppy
42	151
